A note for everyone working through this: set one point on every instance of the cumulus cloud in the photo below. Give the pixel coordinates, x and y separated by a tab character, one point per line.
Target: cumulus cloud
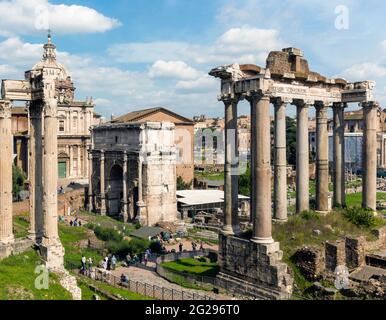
364	71
172	70
203	84
30	16
245	45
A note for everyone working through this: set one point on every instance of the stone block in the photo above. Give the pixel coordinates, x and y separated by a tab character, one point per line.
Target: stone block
335	255
355	252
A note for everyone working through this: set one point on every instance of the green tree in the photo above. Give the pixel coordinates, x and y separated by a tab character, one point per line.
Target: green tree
245	183
291	141
182	185
18	179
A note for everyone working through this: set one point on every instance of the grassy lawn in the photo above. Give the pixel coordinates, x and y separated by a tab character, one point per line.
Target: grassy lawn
69	237
128	295
355	199
17	280
216	176
193	266
20	226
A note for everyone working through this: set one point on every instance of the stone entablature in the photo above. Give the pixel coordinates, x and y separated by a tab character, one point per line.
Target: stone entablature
134	171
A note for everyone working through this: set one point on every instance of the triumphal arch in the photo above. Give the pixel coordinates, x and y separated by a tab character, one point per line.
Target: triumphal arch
39	90
254	266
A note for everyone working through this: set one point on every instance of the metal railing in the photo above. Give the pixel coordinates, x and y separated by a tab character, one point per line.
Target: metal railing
141	288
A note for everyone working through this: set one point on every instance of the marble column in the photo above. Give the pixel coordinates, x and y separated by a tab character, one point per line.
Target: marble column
50	173
302	158
102	184
79	163
322	190
231	224
36	171
339	155
124	212
280	176
90	183
6	160
370	116
261	170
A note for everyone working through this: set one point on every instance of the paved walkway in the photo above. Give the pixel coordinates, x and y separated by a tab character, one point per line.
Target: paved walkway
152	278
187	245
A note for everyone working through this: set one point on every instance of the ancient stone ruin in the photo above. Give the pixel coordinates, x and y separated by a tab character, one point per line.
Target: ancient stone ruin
254	266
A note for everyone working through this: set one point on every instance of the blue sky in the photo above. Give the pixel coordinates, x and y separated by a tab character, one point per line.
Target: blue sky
131	54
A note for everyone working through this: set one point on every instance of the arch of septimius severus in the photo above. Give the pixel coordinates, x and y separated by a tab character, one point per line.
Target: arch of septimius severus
255	265
39	91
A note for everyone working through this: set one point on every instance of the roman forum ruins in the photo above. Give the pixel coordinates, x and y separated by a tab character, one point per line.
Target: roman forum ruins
39	90
287	79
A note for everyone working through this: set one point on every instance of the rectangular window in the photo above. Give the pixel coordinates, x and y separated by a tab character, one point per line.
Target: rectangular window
61	126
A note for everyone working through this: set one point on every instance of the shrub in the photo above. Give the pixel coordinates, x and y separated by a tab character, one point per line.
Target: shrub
155	247
105	234
360	217
137	225
120	249
309	215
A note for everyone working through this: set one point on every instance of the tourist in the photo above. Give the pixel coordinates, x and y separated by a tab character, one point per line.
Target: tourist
105	262
128	259
140	258
194	246
71	223
79	223
202	246
113	262
84	260
108	264
180	246
90	264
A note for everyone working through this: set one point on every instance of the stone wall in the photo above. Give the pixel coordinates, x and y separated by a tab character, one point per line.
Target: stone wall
19	246
311	262
248	268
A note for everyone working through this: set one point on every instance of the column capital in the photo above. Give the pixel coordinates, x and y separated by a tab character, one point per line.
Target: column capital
5	109
257	95
303	103
370	105
322	104
50	108
230	98
279	101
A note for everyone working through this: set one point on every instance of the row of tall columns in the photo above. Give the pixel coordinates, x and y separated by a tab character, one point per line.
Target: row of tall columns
6	232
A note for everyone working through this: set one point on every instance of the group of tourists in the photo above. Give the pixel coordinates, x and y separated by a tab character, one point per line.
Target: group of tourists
109	263
87	265
142	258
75	223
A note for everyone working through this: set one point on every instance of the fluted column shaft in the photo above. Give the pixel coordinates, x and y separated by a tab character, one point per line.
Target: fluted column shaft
280	176
231	224
370	111
36	172
6	211
339	155
322	190
102	184
261	170
302	159
50	172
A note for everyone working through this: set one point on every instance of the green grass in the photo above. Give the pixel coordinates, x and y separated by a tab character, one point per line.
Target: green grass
20	226
214	176
17	280
128	295
355	199
69	237
193	266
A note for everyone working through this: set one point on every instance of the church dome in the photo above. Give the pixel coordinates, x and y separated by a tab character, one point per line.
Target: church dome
49	61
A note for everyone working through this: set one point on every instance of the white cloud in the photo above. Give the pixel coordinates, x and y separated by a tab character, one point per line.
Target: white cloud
203	84
30	16
244	45
172	70
364	71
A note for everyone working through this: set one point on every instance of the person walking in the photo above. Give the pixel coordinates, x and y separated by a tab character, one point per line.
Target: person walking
180	247
84	260
90	264
113	262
